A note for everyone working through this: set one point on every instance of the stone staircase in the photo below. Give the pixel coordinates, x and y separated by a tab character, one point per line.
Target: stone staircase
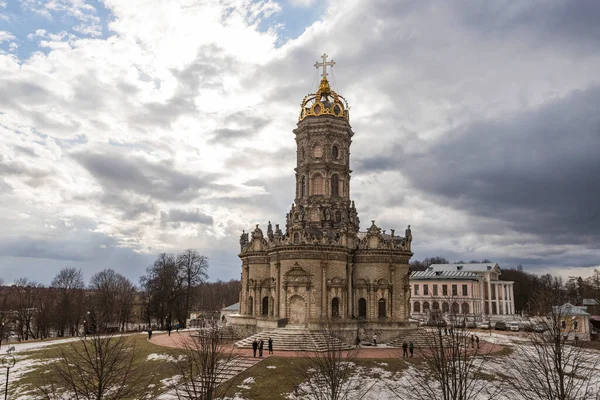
293	339
410	335
237	366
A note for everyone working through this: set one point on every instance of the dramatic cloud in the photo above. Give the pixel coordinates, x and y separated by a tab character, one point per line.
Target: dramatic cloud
129	128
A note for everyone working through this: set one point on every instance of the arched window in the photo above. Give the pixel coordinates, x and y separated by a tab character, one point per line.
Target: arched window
362	308
335	307
303	186
335	185
455	308
314	215
265	306
296	238
317	184
381	308
465	308
445	307
302	153
251	306
425	306
417	307
435	305
335	152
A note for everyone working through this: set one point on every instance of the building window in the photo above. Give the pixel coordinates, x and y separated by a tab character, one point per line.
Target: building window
317	152
416	290
335	185
335	307
574	325
465	290
435	290
382	306
417	307
435	305
335	152
454	290
426	290
444	290
251	306
465	308
314	214
563	324
455	308
303	187
445	307
425	306
317	184
362	308
296	238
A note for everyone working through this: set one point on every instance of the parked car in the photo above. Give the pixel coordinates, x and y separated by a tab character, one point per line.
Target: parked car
471	324
513	326
540	328
484	325
500	326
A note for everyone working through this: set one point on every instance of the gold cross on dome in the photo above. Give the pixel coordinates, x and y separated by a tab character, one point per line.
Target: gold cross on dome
324	64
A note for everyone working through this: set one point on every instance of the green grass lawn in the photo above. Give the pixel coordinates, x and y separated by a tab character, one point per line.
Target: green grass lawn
158	369
275	383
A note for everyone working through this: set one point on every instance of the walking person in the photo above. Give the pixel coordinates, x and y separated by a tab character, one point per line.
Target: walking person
357	342
169	329
149	333
404	349
472	341
270	342
254	347
411	348
375	339
260	347
477	341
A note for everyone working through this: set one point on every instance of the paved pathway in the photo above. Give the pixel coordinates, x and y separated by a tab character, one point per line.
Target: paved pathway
382	351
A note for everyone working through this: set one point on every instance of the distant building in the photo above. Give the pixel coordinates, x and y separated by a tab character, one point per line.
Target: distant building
227	311
468	289
574	321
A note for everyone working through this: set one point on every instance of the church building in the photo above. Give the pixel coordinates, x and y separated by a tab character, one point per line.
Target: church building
319	264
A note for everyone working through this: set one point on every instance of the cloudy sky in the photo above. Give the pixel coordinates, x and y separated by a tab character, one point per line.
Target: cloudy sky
130	128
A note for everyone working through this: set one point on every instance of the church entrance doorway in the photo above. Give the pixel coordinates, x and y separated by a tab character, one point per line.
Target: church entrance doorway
382	313
265	306
297	314
335	307
362	308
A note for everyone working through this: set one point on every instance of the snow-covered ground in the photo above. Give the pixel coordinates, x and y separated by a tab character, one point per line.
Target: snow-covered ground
382	383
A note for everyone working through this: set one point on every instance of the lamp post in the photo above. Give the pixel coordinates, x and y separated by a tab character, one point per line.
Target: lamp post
8	361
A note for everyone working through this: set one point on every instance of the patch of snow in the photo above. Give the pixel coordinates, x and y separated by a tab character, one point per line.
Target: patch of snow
271	367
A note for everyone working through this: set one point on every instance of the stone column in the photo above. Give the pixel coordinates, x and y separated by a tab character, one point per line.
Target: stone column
489	293
512	298
391	296
496	287
481	297
278	292
348	290
324	303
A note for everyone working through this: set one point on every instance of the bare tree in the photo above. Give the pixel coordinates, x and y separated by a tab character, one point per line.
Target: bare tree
193	267
328	368
452	362
96	368
69	285
205	363
24	294
112	296
552	364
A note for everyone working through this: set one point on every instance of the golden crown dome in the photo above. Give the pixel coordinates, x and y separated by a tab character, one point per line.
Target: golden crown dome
325	101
